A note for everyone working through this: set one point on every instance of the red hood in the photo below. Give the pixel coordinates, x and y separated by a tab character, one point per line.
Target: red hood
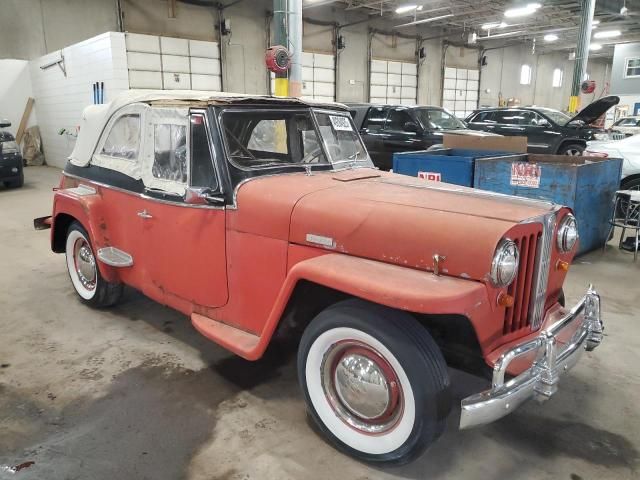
383	216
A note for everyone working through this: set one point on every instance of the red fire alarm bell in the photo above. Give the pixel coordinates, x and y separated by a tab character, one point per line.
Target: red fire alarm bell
278	59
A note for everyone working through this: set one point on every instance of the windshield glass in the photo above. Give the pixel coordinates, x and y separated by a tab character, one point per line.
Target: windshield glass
556	116
435	118
259	139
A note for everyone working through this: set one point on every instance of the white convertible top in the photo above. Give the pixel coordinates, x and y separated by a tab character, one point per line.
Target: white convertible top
95	117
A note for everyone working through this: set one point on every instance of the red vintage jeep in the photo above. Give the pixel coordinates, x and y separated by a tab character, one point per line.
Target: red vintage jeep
254	215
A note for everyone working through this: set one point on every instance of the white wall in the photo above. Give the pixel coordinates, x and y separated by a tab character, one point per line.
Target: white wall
15	89
60	100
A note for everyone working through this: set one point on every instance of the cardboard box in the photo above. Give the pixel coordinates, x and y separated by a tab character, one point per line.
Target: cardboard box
497	143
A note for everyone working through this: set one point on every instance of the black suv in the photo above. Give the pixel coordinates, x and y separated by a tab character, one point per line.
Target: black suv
547	130
11	173
386	129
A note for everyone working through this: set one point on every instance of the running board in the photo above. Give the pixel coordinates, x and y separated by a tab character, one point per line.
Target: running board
238	341
114	257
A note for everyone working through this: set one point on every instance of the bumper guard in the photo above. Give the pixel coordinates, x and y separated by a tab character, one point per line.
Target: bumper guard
540	381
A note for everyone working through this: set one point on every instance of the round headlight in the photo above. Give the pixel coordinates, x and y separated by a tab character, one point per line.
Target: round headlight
505	263
567	233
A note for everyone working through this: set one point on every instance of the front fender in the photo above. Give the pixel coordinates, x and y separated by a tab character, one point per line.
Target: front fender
390	285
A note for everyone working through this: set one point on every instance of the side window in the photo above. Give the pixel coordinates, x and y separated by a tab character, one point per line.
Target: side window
123	140
397	119
170	152
269	136
202	171
509	117
484	117
376	118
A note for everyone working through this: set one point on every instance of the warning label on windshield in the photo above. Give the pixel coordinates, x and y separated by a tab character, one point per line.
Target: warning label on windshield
340	123
525	174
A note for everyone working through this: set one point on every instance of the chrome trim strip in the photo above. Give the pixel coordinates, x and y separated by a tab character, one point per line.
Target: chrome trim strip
141	195
541	275
541	380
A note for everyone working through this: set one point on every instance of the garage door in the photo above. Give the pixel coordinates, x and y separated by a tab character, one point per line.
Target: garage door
460	90
172	63
318	77
393	82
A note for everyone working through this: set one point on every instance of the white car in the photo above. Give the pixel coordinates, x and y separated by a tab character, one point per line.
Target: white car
627	125
629	150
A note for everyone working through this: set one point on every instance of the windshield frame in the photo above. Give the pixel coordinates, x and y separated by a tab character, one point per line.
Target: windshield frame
331	165
437	128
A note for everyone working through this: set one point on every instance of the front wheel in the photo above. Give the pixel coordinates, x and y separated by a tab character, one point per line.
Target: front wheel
84	272
374	380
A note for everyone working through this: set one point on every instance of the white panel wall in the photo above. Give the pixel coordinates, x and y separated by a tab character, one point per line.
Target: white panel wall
172	63
393	82
60	99
460	90
318	77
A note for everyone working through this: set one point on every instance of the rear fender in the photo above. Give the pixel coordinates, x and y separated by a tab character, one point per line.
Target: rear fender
87	210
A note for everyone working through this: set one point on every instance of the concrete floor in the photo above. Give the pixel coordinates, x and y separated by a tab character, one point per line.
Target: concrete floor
134	392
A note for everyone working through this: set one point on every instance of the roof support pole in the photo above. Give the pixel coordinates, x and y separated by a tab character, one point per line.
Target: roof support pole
280	38
582	52
295	47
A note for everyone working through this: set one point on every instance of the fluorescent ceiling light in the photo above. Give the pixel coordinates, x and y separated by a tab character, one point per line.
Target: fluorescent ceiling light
528	9
498	35
407	8
595	46
607	34
424	20
595	22
489	26
550	37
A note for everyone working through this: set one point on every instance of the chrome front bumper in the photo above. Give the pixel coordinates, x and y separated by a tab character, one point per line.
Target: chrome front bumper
552	359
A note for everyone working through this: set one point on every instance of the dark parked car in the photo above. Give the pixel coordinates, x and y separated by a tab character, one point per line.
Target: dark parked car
387	129
547	130
11	173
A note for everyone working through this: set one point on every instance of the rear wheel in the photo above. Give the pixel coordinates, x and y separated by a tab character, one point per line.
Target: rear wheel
374	380
572	149
84	272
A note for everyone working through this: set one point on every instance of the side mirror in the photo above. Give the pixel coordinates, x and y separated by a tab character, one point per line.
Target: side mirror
544	123
4	123
201	196
411	127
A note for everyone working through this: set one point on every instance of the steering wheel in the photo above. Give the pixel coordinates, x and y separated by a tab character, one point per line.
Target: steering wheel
315	153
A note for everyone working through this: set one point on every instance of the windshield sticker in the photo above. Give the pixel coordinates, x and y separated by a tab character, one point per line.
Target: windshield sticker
340	123
525	174
432	176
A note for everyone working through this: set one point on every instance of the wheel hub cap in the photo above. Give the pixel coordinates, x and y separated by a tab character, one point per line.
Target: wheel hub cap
361	387
85	265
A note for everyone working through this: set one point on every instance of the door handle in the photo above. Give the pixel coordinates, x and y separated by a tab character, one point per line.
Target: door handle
144	214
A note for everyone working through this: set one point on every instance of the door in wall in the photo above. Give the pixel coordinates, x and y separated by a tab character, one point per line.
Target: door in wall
393	82
460	90
318	77
172	63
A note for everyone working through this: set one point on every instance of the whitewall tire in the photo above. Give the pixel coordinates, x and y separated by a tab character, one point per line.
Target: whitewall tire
84	271
374	381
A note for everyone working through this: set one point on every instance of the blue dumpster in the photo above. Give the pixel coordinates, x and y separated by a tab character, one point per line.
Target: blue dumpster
451	165
586	184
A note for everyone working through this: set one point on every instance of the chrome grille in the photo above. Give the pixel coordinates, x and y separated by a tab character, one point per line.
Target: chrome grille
617	136
517	316
542	271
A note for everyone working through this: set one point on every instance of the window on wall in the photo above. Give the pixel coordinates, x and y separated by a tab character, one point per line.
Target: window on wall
557	78
632	67
525	75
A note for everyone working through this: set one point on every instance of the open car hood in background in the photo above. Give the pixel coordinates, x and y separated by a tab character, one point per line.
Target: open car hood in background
595	110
